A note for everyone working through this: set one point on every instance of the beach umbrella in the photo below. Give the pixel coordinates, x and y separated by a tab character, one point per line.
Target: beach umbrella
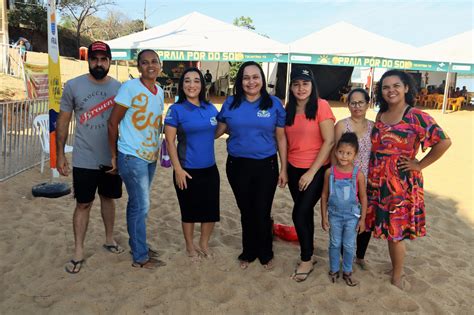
28	45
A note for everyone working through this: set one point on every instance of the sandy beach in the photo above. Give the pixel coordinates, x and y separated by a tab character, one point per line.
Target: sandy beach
36	240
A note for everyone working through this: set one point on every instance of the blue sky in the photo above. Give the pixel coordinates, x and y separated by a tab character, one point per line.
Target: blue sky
414	22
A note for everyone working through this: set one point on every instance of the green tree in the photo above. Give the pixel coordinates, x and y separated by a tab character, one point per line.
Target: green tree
29	14
79	11
244	21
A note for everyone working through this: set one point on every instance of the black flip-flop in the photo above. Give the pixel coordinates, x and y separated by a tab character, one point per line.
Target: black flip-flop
304	274
114	249
77	265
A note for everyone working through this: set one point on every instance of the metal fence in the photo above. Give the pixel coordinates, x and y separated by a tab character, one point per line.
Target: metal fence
20	144
11	61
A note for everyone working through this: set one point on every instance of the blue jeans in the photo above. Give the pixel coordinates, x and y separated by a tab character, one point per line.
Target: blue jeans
137	174
343	233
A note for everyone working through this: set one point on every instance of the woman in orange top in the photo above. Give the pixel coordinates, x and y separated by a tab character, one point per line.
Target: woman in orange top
310	135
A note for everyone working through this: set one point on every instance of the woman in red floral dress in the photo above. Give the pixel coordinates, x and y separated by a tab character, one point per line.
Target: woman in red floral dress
395	184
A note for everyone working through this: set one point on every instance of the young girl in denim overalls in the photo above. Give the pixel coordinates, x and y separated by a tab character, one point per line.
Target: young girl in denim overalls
343	207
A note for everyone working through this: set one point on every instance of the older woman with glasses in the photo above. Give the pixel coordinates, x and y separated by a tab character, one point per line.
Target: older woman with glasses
358	103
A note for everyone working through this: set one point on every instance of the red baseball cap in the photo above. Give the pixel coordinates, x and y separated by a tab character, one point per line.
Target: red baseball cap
99	46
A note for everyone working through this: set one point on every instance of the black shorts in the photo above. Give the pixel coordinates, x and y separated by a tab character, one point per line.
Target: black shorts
200	201
86	182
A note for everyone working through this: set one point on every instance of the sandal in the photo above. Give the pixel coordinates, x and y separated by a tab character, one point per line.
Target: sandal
151	263
362	264
151	253
194	256
205	253
303	274
334	276
114	249
76	266
347	277
269	265
244	264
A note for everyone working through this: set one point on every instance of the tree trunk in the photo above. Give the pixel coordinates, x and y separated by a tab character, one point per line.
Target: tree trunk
78	40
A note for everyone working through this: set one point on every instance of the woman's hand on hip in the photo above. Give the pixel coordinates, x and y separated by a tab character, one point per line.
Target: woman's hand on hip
180	176
406	164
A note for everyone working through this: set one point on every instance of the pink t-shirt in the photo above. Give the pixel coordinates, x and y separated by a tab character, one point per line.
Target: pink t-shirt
342	175
304	136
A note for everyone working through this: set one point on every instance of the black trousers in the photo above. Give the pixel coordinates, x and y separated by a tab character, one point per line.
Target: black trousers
254	183
303	210
362	244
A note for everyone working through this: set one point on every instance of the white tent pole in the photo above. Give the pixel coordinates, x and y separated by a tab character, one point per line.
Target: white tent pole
216	81
446	89
267	74
288	71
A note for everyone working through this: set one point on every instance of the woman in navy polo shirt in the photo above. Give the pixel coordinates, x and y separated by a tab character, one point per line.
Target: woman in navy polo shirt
196	178
255	122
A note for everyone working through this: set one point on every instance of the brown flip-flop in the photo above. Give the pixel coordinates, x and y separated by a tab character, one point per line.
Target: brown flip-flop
151	263
334	276
347	277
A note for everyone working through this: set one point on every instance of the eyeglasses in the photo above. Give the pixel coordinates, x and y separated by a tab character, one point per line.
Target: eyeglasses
359	104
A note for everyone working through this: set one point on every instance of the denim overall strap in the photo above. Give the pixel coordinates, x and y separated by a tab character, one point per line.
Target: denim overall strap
331	181
354	177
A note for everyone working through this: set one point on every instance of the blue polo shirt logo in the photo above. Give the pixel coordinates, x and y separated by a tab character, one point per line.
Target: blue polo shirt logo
168	115
213	121
263	113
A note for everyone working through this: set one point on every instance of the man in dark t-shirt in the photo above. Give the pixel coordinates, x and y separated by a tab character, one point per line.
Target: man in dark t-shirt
208	77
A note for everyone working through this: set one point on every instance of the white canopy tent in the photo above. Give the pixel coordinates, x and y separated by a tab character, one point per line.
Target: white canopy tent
344	39
457	49
343	44
199	33
198	37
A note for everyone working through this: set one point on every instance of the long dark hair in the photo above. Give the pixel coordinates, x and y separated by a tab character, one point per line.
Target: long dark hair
407	80
202	94
311	107
266	101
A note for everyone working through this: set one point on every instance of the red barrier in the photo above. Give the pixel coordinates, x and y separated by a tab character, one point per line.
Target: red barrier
285	232
83	53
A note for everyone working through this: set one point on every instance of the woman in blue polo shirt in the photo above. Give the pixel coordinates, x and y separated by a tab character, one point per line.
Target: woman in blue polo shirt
255	122
196	178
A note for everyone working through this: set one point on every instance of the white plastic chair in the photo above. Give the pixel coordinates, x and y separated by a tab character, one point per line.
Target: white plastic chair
168	90
223	85
41	125
208	87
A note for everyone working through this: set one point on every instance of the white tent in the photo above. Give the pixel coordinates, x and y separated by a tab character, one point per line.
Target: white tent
344	39
198	32
458	48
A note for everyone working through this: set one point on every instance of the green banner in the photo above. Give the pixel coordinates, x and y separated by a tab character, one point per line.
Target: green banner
330	60
183	55
462	68
351	61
